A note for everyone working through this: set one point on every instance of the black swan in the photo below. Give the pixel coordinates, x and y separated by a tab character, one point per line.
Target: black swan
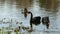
46	21
34	20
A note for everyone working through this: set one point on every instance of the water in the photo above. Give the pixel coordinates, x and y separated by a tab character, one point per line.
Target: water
11	9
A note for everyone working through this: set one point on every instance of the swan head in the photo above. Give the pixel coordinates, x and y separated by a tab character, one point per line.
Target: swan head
25	12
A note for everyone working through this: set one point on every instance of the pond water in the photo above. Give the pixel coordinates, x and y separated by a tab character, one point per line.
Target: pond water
11	9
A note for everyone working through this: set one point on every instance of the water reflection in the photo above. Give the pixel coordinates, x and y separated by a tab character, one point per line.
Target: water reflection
1	3
49	5
23	3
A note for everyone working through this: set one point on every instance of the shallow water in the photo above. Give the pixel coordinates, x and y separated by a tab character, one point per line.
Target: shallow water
10	11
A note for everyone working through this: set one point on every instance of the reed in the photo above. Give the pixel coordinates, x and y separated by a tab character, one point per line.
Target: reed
22	32
2	30
16	32
41	32
34	32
